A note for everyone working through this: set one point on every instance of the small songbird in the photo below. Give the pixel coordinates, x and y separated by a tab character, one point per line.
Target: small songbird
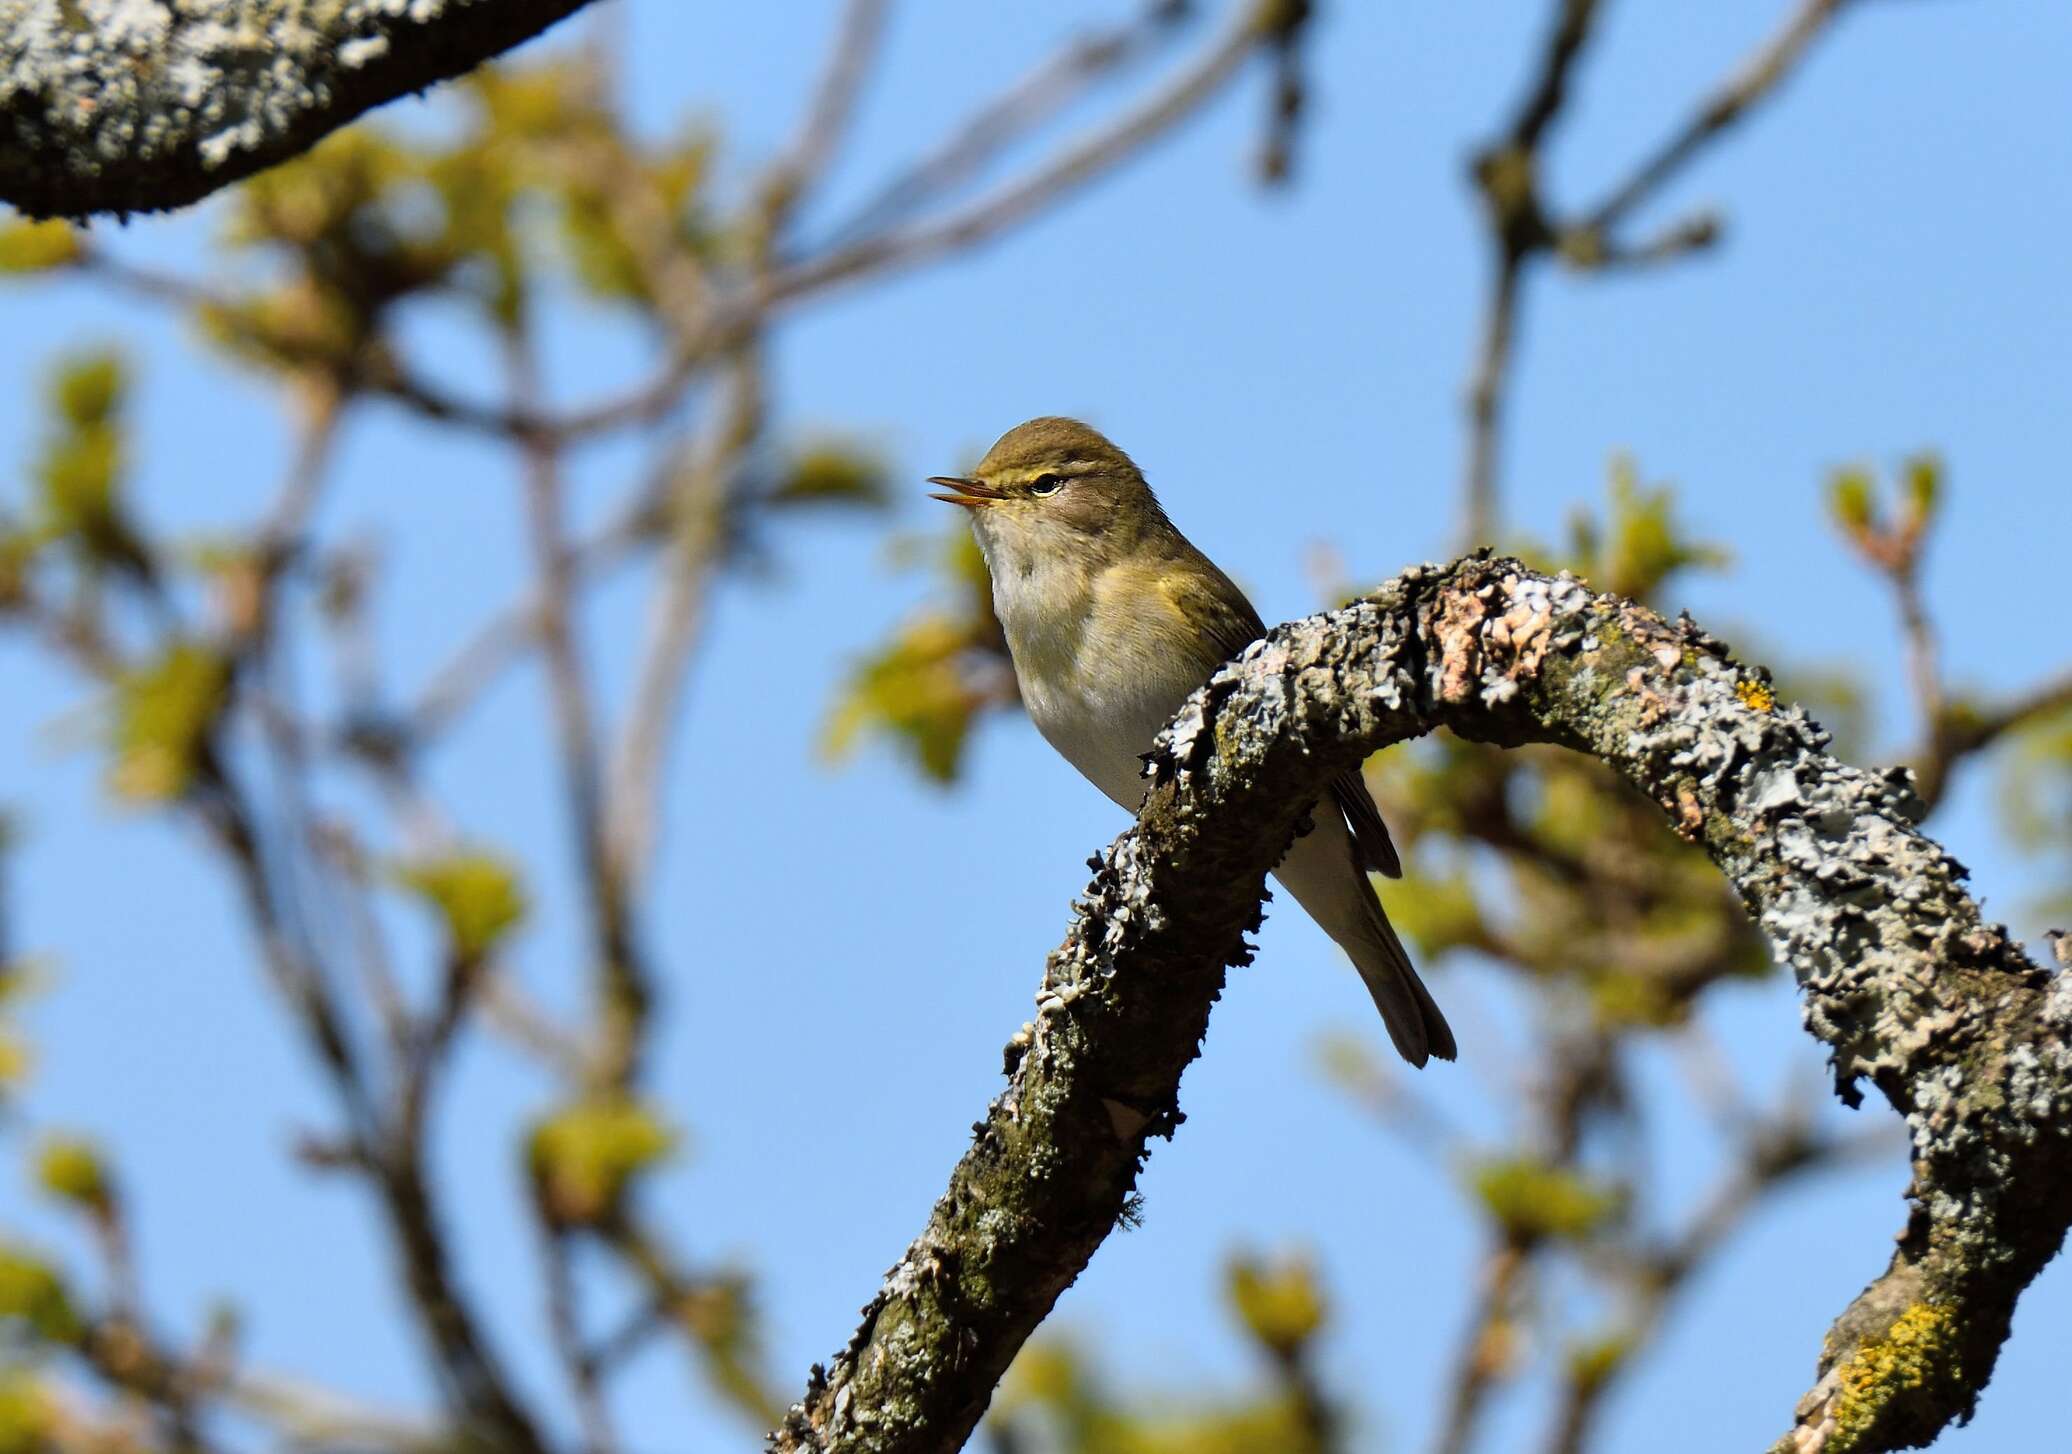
1113	619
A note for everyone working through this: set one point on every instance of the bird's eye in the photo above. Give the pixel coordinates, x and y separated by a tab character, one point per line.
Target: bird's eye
1045	484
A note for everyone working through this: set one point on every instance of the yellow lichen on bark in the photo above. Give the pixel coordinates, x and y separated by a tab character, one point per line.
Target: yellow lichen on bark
1914	1350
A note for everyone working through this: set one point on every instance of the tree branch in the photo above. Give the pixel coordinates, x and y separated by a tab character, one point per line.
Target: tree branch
1903	981
128	108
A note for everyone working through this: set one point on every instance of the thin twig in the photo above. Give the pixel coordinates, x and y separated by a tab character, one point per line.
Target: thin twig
857	42
510	633
1042	93
698	524
1757	78
625	992
1084	162
1524	228
1486	401
564	1322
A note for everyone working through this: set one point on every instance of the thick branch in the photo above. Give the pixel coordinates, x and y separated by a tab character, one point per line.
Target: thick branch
1903	982
115	106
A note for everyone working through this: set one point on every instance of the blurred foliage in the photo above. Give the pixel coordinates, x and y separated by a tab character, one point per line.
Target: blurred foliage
831	471
28	1423
942	669
1638	545
79	472
1888	534
34	1299
163	713
2036	794
1280	1303
1533	1201
477	896
721	1318
70	1168
1055	1400
535	180
32	247
15	981
583	1157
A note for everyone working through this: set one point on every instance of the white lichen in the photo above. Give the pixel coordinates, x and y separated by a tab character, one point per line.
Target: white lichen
94	88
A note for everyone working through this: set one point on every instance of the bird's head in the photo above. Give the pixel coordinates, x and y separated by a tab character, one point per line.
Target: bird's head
1055	485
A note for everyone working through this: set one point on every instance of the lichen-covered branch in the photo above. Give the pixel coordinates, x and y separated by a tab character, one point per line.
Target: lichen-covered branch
138	105
1903	981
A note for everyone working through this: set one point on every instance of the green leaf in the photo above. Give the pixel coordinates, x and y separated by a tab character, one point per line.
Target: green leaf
32	1294
917	689
1921	478
88	388
1280	1303
1591	1363
927	686
35	247
1852	499
71	1169
163	714
1643	542
28	1422
478	896
831	473
583	1156
1534	1201
1437	912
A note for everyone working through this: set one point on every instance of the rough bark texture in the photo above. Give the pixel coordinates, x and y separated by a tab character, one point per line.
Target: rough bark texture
136	105
1903	981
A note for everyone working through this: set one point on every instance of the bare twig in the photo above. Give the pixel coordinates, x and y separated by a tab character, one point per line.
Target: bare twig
857	40
564	1322
1084	162
1486	399
1757	78
625	989
1524	228
698	522
1044	92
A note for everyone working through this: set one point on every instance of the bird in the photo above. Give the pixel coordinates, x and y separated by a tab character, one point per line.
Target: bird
1112	619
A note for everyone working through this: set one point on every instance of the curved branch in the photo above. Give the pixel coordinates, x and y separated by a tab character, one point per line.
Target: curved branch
1903	981
118	107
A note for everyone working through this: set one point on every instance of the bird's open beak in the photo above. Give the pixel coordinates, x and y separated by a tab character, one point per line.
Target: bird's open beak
971	494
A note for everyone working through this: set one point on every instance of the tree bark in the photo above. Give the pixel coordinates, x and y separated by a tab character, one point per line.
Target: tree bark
1903	982
138	105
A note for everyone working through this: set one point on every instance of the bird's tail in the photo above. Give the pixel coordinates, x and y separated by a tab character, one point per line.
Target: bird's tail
1414	1023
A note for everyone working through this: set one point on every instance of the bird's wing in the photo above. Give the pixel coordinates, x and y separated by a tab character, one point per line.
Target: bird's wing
1208	600
1230	623
1371	842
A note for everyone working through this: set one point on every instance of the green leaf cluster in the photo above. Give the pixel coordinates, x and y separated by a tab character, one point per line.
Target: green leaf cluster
927	686
478	897
1536	1202
163	713
28	1421
34	1298
540	171
79	471
70	1168
1639	545
1054	1397
1281	1303
583	1157
829	471
36	247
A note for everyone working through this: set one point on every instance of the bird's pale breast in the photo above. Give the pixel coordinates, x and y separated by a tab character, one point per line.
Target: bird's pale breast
1103	663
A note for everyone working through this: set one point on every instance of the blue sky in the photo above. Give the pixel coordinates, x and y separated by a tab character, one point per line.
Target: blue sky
1288	369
